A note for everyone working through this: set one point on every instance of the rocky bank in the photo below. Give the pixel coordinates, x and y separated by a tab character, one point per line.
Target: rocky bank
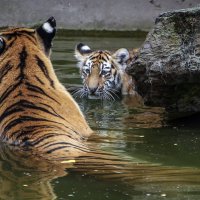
167	68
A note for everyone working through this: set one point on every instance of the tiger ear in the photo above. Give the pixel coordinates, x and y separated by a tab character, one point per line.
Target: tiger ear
121	56
47	32
81	51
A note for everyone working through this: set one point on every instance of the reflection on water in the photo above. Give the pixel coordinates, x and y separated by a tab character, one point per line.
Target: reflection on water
165	159
24	177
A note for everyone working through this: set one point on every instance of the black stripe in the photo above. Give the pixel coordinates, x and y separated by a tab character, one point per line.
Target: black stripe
46	136
22	120
26	31
42	138
93	57
115	73
28	104
39	127
9	111
4	70
12	124
30	37
11	44
106	55
118	78
57	143
56	135
8	91
67	146
22	133
53	110
104	59
37	89
20	105
62	147
31	128
55	149
39	80
112	66
35	96
19	94
22	64
7	121
44	70
17	32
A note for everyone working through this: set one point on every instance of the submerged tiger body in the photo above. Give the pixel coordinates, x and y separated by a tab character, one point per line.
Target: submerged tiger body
35	109
103	73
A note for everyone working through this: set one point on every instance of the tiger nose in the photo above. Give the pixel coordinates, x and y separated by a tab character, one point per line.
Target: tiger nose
93	90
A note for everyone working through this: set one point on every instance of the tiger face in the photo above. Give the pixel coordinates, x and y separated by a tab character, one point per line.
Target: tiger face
103	73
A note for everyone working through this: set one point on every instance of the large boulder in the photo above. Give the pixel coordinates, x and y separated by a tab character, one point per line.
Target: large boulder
167	68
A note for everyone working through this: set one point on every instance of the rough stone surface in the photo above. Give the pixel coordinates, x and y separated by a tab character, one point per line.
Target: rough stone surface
167	68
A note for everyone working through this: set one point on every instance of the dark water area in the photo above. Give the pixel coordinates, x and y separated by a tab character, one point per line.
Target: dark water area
125	128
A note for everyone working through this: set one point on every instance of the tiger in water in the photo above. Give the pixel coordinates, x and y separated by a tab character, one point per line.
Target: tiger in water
37	114
36	110
104	73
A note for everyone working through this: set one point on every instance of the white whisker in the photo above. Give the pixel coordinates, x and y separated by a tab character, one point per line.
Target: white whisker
76	90
113	92
73	88
83	94
76	93
80	92
109	94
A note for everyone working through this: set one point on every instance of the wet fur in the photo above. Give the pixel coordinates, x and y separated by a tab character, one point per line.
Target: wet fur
36	111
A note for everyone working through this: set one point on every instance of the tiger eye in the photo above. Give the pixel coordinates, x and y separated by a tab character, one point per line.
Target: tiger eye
2	45
87	71
104	72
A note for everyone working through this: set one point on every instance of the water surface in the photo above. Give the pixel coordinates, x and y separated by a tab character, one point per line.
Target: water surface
137	132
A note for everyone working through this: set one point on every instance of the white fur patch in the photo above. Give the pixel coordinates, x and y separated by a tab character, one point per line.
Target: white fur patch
47	27
85	48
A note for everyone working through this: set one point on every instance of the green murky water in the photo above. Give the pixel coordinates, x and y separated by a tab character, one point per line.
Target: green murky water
140	133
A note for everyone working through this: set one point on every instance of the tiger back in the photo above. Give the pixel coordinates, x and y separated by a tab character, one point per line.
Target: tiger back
35	109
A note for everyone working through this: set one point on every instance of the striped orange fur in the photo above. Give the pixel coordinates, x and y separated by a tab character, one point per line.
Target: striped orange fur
35	109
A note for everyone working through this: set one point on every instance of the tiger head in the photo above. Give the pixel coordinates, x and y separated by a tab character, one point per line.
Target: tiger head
101	71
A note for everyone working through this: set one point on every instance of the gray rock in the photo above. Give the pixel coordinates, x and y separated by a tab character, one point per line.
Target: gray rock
167	68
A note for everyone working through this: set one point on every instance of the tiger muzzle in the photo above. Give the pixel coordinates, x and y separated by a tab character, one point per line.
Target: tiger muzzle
92	90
